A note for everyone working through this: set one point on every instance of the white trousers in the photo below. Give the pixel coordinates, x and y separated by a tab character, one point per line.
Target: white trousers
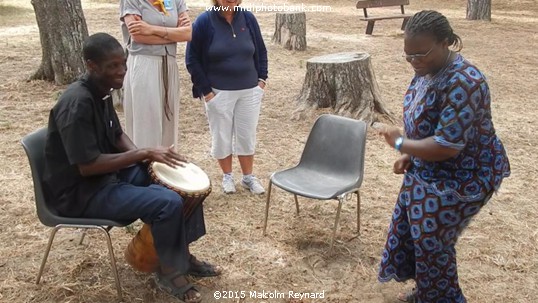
233	118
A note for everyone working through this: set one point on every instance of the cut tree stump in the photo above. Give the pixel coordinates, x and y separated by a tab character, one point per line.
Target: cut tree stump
290	30
344	82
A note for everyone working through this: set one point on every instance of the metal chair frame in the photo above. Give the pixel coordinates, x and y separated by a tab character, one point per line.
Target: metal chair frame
85	227
31	144
340	200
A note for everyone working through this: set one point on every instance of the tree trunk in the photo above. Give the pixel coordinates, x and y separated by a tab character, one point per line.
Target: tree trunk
62	30
344	82
479	10
290	30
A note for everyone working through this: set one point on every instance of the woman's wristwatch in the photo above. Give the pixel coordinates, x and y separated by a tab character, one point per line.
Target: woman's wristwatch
398	143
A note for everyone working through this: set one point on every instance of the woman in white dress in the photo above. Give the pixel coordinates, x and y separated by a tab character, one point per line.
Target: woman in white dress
151	104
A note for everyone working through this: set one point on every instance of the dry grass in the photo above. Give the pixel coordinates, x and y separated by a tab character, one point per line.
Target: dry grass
13	15
498	258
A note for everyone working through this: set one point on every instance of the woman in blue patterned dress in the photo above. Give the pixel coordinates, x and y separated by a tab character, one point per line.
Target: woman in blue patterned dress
451	159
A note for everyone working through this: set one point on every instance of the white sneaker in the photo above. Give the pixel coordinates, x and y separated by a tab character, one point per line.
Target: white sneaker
254	185
228	185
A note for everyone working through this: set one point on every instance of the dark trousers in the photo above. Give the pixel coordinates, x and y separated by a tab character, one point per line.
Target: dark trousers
133	197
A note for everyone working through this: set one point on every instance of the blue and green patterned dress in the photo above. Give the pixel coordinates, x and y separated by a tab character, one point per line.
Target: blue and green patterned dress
438	199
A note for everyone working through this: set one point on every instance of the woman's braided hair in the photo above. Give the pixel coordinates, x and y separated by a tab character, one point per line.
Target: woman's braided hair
433	22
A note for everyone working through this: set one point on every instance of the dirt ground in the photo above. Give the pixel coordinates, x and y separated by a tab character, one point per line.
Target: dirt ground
497	255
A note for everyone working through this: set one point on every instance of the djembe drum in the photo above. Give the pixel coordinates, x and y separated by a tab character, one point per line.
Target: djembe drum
192	184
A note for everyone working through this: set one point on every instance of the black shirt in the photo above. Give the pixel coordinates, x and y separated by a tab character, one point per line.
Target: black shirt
82	126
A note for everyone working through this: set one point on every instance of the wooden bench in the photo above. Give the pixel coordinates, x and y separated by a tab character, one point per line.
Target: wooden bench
366	4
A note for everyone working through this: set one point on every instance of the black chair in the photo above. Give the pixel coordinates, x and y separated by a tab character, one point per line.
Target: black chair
331	166
34	146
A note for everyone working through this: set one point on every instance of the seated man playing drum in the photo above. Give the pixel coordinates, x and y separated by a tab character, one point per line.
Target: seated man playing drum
92	169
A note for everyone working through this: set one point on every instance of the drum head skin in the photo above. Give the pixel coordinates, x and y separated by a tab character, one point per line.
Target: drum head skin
189	179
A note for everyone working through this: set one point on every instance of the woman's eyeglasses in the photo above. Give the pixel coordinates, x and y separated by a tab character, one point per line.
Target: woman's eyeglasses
417	56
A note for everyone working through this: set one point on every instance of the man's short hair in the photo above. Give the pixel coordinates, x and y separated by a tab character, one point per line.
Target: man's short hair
98	46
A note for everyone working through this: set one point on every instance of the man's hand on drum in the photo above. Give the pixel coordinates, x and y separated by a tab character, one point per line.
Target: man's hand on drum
166	155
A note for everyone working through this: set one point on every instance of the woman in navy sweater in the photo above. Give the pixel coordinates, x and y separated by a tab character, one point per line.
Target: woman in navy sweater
227	60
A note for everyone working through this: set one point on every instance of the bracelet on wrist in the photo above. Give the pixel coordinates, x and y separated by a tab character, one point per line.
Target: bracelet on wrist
261	80
398	143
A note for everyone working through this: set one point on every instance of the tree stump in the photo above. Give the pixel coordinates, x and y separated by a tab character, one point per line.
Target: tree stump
479	10
290	30
344	82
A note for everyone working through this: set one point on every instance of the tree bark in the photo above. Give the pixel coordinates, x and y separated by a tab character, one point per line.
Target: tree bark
290	30
62	30
344	82
479	10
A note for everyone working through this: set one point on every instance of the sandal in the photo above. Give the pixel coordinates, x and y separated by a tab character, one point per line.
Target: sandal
202	269
166	283
409	297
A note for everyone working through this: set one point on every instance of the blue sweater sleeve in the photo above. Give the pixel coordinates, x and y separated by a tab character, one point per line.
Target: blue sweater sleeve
261	50
194	57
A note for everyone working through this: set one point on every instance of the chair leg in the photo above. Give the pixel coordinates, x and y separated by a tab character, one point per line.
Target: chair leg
112	262
45	257
358	212
370	27
82	237
340	202
267	207
296	204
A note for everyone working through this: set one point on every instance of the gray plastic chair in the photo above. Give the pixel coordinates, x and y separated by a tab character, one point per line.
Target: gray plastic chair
34	146
331	166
